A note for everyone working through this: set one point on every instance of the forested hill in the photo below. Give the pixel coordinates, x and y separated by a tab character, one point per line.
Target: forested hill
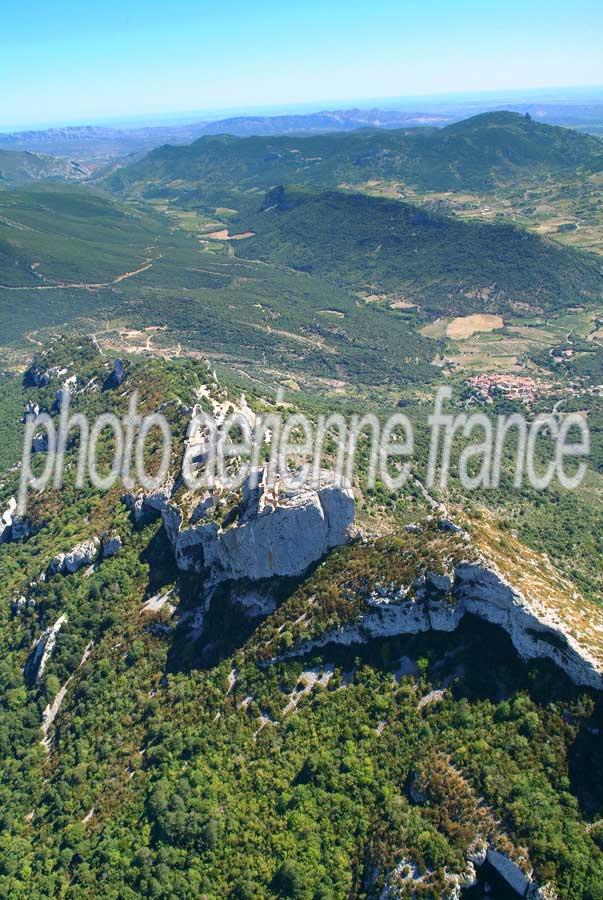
446	265
477	153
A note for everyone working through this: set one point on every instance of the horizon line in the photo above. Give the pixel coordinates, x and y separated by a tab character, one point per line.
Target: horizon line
271	110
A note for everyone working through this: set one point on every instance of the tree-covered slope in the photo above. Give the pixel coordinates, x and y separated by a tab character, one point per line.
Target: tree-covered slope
443	264
69	254
477	153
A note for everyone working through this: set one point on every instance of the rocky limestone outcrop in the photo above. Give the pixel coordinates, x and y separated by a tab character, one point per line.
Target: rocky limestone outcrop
515	877
277	532
83	554
52	709
39	442
257	601
6	521
14	528
42	651
147	507
111	544
31	411
407	876
21	603
439	602
407	879
67	390
38	377
116	377
86	553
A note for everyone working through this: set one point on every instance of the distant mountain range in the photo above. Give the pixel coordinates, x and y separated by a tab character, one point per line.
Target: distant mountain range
56	238
103	143
106	143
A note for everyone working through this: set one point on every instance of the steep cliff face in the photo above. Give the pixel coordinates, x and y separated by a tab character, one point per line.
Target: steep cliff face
279	533
12	526
476	586
6	521
535	632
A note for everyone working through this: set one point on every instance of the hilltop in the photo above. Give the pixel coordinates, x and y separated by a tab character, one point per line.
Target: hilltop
211	734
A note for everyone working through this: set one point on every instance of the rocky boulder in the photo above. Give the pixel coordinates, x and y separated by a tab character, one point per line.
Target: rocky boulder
31	411
83	554
110	546
14	528
65	392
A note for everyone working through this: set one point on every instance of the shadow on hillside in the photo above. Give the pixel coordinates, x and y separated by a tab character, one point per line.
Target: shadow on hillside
227	625
479	662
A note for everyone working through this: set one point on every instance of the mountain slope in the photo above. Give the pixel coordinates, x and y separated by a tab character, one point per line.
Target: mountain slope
67	234
104	142
146	757
445	265
477	153
23	167
67	253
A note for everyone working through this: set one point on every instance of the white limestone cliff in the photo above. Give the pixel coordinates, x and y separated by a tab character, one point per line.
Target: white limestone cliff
111	544
13	527
515	877
83	554
439	602
6	521
51	710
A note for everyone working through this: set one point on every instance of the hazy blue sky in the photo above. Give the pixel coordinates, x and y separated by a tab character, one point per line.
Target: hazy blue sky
63	61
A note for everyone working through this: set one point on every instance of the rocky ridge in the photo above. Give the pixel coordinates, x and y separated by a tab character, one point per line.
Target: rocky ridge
42	651
86	553
538	616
